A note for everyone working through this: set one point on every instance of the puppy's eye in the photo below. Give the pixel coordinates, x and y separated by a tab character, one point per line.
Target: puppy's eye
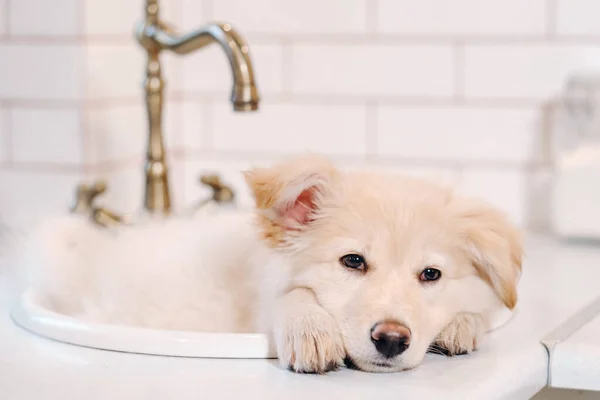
430	275
354	261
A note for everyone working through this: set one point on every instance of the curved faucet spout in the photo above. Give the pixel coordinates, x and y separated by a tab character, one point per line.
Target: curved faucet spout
155	36
244	95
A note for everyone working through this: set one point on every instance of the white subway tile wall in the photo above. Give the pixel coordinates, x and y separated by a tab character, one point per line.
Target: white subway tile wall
458	133
31	194
104	18
452	91
208	71
43	17
116	133
289	16
463	17
126	188
530	70
35	70
115	71
578	17
35	143
504	188
194	119
291	128
193	11
373	70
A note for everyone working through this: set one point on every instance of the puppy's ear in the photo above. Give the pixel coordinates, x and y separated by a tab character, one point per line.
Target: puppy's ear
289	194
493	245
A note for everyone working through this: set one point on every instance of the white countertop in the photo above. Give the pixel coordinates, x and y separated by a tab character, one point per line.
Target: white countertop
557	281
576	361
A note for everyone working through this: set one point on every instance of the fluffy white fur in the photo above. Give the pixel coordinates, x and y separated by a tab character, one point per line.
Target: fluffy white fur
276	270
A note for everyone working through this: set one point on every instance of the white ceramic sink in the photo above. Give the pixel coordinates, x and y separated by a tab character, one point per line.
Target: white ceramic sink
71	241
32	314
37	312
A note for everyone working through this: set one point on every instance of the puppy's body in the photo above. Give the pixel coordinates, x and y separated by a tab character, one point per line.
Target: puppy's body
175	274
280	270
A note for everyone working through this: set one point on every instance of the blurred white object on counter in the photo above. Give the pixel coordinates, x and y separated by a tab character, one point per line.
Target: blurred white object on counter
576	158
577	194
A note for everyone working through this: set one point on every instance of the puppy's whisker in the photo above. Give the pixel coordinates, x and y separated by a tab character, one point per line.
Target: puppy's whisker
435	349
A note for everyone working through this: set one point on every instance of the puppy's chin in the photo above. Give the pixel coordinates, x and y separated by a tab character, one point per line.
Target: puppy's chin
374	366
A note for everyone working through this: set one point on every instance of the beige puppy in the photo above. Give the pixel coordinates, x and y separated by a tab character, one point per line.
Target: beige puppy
337	267
375	269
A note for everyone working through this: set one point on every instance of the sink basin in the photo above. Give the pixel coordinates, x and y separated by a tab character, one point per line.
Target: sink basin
67	246
60	245
31	313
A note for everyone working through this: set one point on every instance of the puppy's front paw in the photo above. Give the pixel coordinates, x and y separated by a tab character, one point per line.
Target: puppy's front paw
462	335
310	342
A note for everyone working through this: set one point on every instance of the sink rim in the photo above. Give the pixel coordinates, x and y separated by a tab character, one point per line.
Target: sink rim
30	315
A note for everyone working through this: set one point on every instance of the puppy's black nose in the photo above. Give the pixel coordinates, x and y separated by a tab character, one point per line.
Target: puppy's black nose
390	338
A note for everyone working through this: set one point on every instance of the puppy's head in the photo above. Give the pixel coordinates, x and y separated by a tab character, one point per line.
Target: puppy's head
392	259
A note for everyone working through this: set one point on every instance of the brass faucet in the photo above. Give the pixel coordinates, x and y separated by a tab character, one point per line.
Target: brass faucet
155	36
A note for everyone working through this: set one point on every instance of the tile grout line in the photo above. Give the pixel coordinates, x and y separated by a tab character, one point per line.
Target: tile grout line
8	125
372	16
458	53
208	133
291	98
359	99
7	8
86	142
371	130
379	38
341	39
459	173
4	140
45	167
182	180
287	66
177	185
179	125
383	38
448	163
171	99
455	166
551	18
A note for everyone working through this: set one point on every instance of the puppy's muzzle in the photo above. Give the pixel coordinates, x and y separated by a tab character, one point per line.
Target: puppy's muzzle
390	338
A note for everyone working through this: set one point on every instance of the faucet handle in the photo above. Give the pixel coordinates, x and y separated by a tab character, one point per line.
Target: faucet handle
221	192
86	194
